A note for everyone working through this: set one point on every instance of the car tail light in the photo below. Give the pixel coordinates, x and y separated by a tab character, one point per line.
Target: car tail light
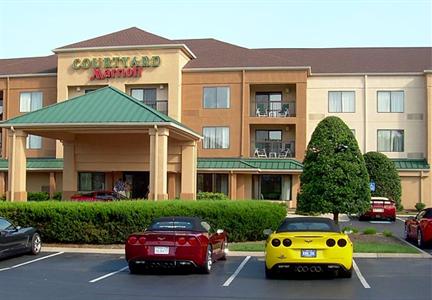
132	240
287	242
276	242
330	242
192	241
342	242
142	240
181	240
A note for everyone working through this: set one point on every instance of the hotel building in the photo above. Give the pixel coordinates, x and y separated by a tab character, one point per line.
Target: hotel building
210	116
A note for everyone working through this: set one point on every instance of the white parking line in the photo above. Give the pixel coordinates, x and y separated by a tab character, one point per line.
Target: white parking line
233	276
108	275
31	261
360	276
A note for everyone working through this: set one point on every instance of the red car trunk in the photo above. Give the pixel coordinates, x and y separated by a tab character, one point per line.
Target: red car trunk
382	209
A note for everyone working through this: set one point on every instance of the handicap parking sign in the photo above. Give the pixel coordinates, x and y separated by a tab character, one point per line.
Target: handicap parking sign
372	186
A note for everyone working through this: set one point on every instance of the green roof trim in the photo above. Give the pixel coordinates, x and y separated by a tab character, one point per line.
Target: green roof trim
104	105
250	164
37	164
410	164
247	164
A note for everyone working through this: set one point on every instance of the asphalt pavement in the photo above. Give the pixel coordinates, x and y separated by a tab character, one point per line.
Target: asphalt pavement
54	276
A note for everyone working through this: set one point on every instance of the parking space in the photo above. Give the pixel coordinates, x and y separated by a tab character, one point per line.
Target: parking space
72	276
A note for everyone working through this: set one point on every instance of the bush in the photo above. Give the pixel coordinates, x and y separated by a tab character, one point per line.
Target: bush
350	228
420	206
37	196
383	172
369	230
387	233
108	223
58	196
211	196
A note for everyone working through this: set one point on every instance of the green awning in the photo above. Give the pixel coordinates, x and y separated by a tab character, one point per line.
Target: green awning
405	164
249	164
38	164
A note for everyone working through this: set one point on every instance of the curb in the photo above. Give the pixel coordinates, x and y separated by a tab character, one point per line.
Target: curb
235	253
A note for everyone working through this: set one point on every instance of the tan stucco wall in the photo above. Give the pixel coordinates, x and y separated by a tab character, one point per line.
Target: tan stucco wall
416	187
366	122
11	104
35	181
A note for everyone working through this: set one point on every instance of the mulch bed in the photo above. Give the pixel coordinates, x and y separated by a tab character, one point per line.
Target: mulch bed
374	238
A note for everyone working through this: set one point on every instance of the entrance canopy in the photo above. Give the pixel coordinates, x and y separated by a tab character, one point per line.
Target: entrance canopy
106	130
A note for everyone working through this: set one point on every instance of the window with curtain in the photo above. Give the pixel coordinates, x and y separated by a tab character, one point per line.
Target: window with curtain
390	140
30	101
341	101
215	183
33	142
390	101
216	137
91	181
216	97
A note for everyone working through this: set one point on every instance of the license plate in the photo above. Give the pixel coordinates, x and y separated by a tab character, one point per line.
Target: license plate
308	253
161	250
378	210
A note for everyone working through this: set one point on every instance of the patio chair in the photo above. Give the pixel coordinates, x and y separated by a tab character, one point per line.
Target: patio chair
261	111
285	153
260	153
285	111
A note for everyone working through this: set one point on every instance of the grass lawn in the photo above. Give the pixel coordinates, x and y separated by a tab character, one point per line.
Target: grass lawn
362	244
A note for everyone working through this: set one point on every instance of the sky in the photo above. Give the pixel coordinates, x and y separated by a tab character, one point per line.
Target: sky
35	27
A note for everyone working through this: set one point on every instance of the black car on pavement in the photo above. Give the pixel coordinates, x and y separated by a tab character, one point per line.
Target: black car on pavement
16	240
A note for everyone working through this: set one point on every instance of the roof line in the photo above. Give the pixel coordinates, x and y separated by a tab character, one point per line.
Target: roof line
29	75
129	47
369	73
308	68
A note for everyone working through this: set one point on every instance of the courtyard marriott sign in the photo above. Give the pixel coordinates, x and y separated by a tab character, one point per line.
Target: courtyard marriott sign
116	67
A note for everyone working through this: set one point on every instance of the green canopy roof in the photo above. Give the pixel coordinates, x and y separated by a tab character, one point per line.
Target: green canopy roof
105	105
38	164
411	164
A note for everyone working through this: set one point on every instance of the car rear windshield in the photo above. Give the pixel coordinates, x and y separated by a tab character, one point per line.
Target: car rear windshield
308	225
171	225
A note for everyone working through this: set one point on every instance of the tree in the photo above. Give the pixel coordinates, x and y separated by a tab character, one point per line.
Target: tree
383	172
334	178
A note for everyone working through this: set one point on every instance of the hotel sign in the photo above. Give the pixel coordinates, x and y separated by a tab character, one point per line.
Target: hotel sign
116	67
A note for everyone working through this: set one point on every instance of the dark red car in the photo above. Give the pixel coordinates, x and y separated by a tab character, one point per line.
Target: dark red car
98	196
419	228
172	242
381	208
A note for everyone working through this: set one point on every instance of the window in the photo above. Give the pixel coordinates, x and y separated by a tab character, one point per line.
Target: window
33	142
390	140
1	105
149	97
89	90
390	101
30	101
216	137
216	97
91	181
341	102
4	224
216	183
269	101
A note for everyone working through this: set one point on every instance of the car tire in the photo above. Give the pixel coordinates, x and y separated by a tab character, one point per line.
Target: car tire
345	273
420	242
224	248
206	268
133	268
269	274
393	219
36	244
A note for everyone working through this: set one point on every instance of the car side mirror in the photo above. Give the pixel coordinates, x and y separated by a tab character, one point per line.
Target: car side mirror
219	231
267	232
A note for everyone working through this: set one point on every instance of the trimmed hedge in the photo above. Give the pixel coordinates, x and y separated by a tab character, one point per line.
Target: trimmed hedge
211	196
112	222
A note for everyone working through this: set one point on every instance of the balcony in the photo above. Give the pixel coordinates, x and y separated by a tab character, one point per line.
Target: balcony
274	149
274	109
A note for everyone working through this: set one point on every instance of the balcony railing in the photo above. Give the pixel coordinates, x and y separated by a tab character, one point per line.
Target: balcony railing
159	105
274	149
274	109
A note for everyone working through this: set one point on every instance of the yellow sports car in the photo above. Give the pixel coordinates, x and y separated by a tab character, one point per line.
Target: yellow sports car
308	244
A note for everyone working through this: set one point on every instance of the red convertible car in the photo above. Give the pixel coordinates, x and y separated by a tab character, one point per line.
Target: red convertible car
381	208
419	228
98	196
172	242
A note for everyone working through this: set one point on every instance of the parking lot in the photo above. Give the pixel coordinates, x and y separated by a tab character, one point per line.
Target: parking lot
105	276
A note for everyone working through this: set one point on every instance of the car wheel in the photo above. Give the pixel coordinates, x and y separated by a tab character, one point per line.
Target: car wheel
345	273
133	268
36	244
420	241
269	274
224	248
206	268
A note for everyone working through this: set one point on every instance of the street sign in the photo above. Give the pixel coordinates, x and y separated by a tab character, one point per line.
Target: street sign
372	186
